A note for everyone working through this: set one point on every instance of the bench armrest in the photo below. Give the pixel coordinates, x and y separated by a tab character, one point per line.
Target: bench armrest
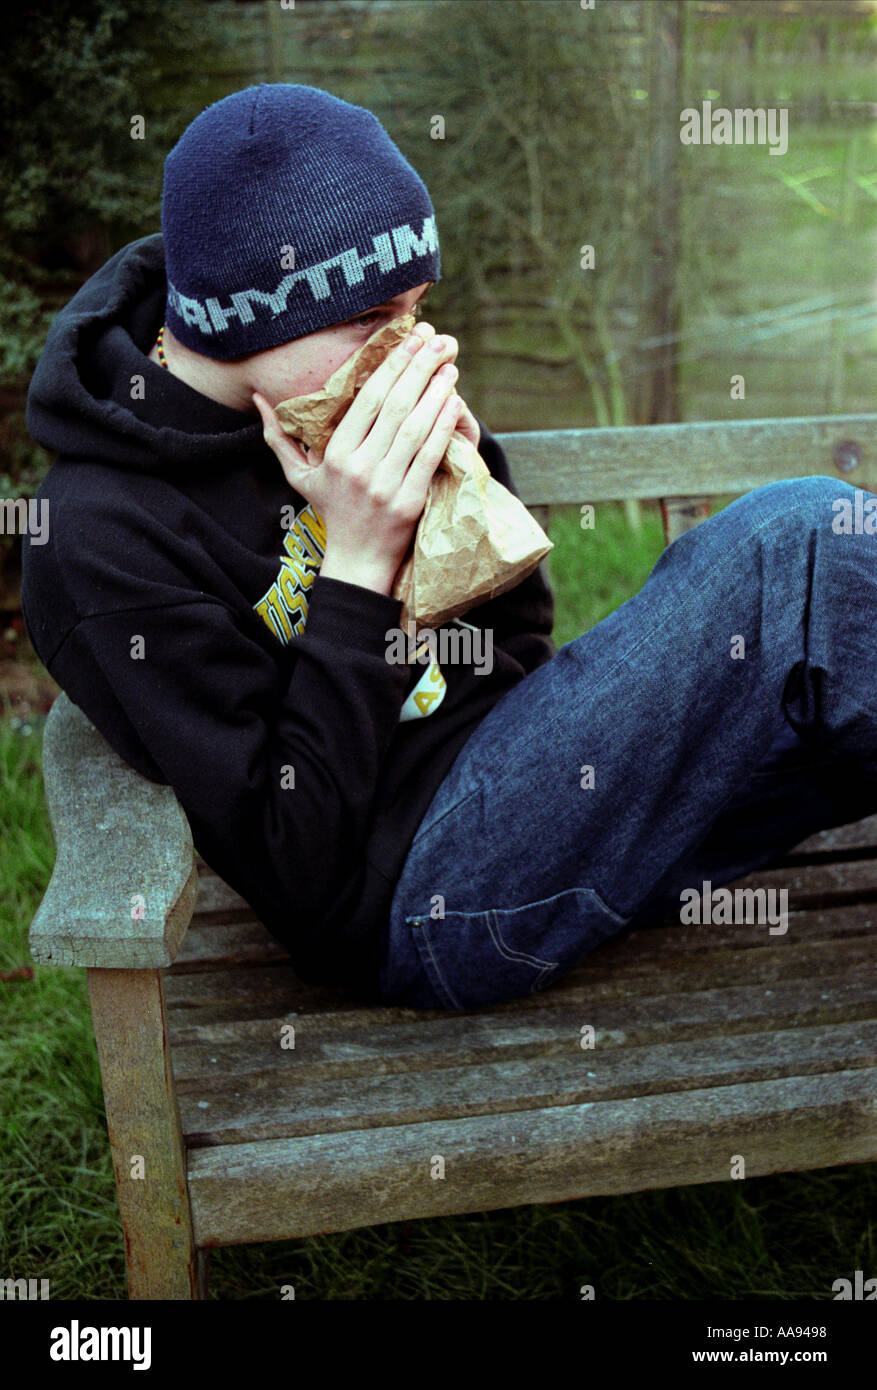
125	880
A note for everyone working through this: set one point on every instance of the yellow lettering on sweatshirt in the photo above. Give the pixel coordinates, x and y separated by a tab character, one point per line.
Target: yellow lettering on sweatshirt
284	607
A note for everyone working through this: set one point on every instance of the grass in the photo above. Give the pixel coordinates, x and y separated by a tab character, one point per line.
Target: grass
785	1237
593	571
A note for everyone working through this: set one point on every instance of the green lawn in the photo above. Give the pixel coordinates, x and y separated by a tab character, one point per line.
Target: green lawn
784	1237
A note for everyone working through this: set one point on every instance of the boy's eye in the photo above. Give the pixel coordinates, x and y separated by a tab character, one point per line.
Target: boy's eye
378	313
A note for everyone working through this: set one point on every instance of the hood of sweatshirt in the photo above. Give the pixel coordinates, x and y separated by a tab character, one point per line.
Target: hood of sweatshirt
96	396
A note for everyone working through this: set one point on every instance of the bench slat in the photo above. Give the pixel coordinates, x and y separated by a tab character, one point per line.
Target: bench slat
860	834
313	1100
568	467
251	993
296	1187
233	943
214	895
324	1051
285	1103
813	884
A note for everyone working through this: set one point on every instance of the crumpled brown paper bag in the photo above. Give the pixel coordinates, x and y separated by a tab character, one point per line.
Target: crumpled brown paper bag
474	540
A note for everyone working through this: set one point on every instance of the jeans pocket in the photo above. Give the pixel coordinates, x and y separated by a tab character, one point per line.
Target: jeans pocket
475	958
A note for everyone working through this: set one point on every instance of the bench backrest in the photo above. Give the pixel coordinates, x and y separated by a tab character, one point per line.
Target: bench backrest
684	465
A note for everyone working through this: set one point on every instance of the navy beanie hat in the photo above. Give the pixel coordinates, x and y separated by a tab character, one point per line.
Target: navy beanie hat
284	210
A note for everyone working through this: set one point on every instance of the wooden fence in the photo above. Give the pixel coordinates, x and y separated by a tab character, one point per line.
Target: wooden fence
356	40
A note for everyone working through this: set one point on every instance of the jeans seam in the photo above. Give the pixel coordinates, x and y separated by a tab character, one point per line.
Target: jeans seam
543	968
424	830
506	951
442	982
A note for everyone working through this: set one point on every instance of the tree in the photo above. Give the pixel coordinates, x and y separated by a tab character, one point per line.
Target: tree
538	163
73	179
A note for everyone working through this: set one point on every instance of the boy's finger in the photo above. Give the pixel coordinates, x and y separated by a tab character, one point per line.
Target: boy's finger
276	438
366	406
468	426
272	432
384	404
266	413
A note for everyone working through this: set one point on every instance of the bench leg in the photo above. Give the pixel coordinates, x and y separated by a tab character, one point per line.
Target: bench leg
130	1028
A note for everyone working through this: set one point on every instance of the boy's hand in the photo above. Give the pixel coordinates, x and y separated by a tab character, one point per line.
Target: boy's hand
371	484
468	426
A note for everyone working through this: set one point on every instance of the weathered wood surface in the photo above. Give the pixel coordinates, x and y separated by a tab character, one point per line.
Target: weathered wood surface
130	1028
679	1006
764	1045
276	1190
124	882
860	835
330	1046
681	514
301	1099
694	459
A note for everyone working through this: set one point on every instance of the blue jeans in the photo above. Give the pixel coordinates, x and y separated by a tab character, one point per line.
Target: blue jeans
711	756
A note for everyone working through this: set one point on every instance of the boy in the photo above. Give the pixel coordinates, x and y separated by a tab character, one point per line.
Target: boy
224	631
472	849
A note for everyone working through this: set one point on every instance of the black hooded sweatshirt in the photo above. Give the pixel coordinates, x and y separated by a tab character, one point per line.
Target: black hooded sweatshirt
178	602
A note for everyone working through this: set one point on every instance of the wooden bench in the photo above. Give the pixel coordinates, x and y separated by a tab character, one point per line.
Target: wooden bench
708	1044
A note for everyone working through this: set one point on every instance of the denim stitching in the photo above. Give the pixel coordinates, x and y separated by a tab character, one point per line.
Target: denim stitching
506	951
544	968
443	984
423	830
